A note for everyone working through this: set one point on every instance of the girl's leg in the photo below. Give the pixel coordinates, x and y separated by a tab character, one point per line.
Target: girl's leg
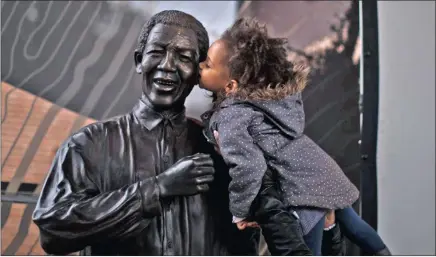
358	231
333	243
280	228
314	238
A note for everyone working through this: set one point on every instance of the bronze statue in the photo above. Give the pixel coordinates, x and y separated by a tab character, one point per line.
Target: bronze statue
145	183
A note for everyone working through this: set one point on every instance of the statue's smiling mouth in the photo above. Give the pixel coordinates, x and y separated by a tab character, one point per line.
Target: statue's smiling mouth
166	85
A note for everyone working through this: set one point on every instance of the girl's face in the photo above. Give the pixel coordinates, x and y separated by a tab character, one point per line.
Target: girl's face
214	73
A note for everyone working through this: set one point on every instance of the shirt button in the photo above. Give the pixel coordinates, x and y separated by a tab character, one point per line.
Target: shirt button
169	244
166	158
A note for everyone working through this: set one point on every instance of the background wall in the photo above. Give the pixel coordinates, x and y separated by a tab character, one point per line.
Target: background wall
406	134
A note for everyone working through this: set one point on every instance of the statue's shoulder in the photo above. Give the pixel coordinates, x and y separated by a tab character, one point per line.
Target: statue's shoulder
97	131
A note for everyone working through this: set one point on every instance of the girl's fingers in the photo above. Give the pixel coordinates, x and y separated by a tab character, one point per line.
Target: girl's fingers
253	224
241	225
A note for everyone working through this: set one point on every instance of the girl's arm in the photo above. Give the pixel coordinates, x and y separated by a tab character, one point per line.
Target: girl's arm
244	158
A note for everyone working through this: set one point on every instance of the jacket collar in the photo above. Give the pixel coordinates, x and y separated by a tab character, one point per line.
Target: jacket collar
150	118
229	101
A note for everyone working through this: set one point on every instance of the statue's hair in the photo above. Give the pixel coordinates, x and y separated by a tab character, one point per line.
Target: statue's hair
174	17
259	63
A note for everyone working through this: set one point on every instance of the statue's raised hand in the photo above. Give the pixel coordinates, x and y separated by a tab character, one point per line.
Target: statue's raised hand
189	176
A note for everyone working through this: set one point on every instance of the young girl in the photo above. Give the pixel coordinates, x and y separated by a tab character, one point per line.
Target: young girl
259	116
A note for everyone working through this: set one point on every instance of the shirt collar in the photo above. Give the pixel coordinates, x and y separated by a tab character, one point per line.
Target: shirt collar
150	118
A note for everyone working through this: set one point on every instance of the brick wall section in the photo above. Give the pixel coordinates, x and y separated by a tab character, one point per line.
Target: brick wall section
19	104
22	115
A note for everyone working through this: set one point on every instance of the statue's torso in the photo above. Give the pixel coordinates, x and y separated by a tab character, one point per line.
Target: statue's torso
124	152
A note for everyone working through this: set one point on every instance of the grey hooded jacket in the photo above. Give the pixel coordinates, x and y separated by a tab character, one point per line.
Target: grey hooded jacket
254	135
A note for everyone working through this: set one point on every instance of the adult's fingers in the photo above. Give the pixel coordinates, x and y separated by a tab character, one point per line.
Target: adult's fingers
204	179
217	147
203	160
200	156
203	171
217	136
253	224
203	188
241	225
329	219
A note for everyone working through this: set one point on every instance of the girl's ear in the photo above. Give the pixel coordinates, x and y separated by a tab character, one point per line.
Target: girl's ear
232	86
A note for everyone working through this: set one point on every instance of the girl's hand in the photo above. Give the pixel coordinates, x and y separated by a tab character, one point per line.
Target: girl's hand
244	224
329	219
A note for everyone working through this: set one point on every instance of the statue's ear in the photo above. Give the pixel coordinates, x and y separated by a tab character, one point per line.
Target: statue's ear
138	61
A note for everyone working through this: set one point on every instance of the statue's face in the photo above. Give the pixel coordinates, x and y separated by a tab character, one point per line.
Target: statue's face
169	65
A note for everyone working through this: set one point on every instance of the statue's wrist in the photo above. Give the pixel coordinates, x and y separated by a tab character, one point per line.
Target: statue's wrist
150	195
161	188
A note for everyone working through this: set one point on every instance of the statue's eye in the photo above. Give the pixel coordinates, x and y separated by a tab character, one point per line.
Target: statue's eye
185	58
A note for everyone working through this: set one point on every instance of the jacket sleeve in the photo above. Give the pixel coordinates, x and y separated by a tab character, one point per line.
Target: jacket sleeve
71	213
244	158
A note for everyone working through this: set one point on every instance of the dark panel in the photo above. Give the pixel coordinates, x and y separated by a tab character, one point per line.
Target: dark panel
24	187
4	185
370	112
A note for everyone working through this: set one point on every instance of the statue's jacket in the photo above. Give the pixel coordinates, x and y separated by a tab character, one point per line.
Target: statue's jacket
101	197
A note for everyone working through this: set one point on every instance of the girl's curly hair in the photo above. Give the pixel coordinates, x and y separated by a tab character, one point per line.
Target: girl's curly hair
259	63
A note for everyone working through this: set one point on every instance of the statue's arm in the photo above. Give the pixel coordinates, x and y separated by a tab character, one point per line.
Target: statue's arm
71	213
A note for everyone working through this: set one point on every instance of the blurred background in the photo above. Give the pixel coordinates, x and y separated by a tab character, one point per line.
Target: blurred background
66	64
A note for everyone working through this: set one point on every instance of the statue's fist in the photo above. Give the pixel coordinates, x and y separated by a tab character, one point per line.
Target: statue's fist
189	176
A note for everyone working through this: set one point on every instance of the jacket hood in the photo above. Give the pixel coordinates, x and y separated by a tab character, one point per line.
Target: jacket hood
282	106
297	84
286	114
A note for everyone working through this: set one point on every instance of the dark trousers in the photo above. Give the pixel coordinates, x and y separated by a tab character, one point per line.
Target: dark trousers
358	231
313	239
353	227
281	230
333	243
